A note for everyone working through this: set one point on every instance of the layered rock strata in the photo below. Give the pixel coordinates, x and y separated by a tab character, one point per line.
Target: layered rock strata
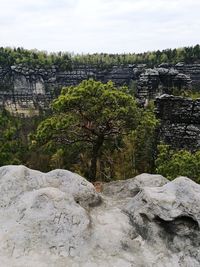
155	82
25	90
179	121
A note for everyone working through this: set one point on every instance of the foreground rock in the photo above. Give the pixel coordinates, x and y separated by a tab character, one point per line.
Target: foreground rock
43	216
168	219
131	187
57	219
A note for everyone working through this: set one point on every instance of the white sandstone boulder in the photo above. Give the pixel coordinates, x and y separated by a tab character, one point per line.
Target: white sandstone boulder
57	219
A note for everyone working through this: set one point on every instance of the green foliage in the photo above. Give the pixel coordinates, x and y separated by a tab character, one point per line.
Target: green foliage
189	93
172	164
34	58
185	54
65	61
91	124
11	148
145	140
137	151
118	157
90	115
132	88
57	161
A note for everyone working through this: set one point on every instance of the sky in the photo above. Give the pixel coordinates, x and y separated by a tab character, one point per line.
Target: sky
90	26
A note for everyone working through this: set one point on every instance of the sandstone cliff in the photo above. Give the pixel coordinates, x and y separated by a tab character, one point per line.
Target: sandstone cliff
180	121
25	90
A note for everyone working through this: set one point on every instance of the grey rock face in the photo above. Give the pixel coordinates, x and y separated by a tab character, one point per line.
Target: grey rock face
169	217
45	213
193	70
154	82
171	201
20	83
180	121
130	187
57	219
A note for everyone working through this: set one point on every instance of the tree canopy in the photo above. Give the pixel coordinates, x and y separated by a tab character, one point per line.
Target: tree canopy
92	114
66	61
11	147
172	163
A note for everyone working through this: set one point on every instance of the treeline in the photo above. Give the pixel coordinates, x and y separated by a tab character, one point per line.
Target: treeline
34	58
66	61
173	56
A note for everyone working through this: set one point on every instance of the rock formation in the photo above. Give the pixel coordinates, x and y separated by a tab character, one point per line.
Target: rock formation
155	82
179	121
57	219
193	70
25	90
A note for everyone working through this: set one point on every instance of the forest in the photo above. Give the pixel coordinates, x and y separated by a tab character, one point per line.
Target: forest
66	61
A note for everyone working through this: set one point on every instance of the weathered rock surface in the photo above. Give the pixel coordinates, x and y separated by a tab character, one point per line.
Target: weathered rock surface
57	219
154	82
180	121
168	218
24	88
193	70
130	187
44	217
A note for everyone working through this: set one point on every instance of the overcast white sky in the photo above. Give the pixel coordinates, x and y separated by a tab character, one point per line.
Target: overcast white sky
113	26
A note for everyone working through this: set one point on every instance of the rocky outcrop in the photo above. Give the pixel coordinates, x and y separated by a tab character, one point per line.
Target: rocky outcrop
26	90
43	217
57	219
179	121
168	218
165	77
155	82
193	70
130	187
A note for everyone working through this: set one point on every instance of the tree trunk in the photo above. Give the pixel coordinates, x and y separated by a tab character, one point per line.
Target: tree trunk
95	155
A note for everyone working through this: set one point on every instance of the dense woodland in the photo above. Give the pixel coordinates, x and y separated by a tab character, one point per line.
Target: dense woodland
65	61
94	129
